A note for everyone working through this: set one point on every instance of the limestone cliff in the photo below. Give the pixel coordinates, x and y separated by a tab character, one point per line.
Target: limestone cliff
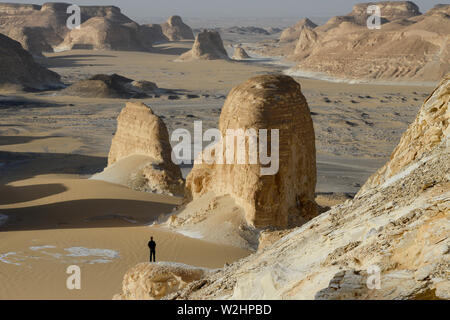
429	129
408	46
40	28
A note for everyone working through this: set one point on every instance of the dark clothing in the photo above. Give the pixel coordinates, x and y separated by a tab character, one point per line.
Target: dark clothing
152	246
152	255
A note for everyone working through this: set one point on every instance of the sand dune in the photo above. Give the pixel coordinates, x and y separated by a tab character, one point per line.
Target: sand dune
54	222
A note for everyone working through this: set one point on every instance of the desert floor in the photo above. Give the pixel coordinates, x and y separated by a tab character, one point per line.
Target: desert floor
52	216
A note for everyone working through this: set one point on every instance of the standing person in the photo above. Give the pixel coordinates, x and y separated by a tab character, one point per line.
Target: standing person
152	246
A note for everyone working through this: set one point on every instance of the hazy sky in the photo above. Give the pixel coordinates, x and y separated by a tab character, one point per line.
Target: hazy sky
233	8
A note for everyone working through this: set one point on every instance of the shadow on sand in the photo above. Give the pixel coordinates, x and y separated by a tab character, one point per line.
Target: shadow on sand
169	50
73	60
9	102
23	165
85	213
12	194
10	140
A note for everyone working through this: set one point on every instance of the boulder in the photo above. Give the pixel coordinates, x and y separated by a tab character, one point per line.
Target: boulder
153	281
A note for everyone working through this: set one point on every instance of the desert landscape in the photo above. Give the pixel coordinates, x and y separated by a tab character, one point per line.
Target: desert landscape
87	119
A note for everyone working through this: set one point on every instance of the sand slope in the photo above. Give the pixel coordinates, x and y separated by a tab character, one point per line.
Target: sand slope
53	222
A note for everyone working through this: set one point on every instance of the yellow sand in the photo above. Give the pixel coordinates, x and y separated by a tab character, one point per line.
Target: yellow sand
65	213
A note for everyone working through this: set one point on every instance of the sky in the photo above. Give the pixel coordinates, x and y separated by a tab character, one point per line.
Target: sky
232	8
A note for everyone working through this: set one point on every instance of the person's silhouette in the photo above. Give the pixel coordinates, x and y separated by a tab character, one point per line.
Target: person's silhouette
152	246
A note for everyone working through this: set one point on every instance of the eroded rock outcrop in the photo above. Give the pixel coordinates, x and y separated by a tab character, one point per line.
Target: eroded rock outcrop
410	46
293	33
389	242
18	68
240	54
390	10
153	33
111	86
140	154
306	42
286	197
100	33
153	281
175	29
429	129
208	45
40	28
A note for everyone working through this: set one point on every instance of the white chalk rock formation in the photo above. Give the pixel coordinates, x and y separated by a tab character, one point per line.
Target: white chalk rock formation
40	28
143	139
208	45
153	33
240	54
175	29
429	129
292	33
389	242
153	281
18	68
284	197
390	10
411	46
100	33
